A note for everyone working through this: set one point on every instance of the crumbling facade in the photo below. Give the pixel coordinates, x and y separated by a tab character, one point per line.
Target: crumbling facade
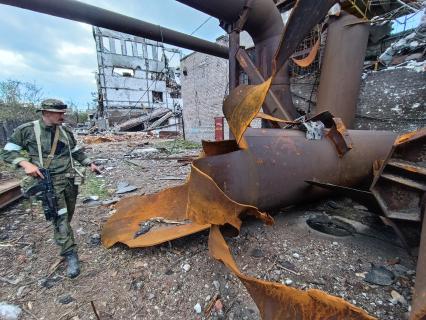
135	77
204	87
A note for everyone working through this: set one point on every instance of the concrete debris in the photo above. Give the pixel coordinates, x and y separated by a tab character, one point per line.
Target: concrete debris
186	267
9	311
380	275
197	308
65	298
398	298
125	187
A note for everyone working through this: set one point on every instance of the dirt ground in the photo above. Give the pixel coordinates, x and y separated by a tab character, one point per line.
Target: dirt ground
152	283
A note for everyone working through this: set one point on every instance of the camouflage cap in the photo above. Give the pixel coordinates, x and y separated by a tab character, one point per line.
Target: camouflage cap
53	105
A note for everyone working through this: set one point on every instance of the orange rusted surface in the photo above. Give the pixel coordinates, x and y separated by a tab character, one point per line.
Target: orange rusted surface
277	301
241	107
307	61
265	116
413	135
133	211
205	200
191	208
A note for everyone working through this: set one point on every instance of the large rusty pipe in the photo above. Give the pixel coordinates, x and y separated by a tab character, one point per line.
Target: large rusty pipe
78	11
272	172
342	67
265	25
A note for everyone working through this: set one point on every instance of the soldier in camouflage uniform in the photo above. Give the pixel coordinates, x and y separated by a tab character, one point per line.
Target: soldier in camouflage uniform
61	167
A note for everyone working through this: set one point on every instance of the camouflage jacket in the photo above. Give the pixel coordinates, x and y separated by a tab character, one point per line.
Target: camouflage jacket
24	139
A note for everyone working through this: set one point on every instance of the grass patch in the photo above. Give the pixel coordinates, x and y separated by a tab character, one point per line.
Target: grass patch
94	186
178	145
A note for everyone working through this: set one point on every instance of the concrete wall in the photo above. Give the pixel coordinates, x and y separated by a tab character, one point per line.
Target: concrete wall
204	86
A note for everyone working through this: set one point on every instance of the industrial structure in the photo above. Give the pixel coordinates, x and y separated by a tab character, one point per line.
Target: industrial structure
297	159
136	77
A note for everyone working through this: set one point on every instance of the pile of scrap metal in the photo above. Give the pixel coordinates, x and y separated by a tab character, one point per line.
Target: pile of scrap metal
307	155
238	178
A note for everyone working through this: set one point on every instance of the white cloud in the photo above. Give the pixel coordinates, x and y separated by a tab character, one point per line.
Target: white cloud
77	74
66	49
11	62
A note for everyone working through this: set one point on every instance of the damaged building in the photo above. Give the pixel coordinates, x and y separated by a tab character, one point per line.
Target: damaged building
138	83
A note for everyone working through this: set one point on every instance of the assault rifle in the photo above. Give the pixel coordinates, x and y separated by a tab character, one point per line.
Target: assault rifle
44	192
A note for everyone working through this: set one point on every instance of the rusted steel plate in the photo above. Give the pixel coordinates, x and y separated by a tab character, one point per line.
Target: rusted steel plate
305	15
180	211
224	188
272	105
340	137
400	184
277	301
242	106
10	190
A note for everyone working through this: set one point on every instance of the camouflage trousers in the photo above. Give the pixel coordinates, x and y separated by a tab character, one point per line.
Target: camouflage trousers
66	195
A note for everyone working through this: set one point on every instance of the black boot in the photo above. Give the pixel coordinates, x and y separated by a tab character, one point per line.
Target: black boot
73	268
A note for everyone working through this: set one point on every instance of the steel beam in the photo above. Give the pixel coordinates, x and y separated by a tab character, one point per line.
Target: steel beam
78	11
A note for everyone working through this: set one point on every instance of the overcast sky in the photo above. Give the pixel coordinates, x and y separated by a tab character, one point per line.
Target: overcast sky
60	56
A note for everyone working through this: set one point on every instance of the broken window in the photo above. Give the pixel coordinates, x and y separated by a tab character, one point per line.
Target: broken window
117	44
150	51
139	49
105	44
129	49
125	72
157	96
175	95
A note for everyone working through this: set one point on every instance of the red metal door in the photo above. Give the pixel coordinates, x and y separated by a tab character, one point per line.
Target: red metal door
218	128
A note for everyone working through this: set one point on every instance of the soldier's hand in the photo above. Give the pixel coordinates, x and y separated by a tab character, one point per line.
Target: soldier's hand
31	169
94	168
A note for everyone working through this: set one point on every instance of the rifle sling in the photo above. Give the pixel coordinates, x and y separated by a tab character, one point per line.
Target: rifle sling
53	149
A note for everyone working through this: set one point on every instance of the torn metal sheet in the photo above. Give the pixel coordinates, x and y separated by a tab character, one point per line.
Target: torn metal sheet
241	107
305	15
307	61
193	207
280	302
340	137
